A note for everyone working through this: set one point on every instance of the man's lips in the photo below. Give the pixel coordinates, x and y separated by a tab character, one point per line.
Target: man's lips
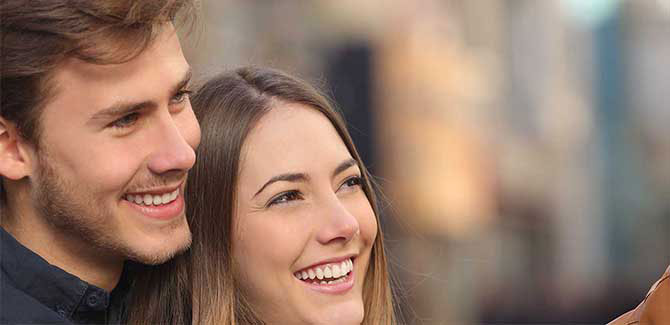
162	204
148	199
154	196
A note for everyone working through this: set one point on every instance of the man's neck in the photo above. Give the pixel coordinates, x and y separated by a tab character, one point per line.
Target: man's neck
62	250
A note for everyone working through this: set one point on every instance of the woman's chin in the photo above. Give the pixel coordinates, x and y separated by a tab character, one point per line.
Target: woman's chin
345	313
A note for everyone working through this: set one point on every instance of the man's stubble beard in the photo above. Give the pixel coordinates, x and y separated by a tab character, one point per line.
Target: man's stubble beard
80	216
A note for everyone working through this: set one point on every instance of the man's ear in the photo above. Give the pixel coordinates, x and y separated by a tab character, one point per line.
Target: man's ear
15	160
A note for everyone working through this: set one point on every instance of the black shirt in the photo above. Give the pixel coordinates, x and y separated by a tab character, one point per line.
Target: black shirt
32	291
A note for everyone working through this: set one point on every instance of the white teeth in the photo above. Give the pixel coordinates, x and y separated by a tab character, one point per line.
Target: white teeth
336	271
340	280
327	273
148	199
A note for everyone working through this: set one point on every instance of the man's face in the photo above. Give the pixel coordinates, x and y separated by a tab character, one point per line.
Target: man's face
115	145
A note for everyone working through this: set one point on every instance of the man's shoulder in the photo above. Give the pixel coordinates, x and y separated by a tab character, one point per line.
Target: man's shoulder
16	307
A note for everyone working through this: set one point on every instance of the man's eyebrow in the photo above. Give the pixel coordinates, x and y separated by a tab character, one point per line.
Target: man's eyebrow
185	80
122	108
288	177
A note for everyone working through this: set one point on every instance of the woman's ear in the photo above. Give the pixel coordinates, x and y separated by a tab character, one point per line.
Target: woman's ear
15	162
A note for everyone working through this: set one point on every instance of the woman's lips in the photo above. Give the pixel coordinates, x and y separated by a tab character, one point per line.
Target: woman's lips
330	278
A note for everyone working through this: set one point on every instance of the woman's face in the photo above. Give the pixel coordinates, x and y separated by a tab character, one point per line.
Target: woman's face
303	227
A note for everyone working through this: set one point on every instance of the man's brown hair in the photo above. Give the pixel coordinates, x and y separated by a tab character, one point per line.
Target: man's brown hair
38	35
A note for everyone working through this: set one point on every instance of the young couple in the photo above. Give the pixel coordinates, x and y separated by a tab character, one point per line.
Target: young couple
102	194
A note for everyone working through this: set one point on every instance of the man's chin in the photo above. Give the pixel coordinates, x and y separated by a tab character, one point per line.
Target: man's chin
162	244
160	253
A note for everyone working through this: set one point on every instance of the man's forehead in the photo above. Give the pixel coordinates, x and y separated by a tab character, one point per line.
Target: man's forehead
165	47
152	75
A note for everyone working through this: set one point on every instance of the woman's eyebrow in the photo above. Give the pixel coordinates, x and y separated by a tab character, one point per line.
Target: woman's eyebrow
288	177
302	177
344	166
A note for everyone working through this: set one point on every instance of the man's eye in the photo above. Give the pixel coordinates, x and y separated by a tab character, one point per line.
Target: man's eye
181	96
126	121
285	197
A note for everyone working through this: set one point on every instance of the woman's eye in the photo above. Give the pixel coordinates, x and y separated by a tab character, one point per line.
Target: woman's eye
181	96
126	121
285	197
351	182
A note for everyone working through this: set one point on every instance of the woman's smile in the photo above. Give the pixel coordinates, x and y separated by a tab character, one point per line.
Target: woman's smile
330	278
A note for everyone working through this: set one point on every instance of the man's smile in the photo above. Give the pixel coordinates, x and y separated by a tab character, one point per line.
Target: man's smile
152	199
164	203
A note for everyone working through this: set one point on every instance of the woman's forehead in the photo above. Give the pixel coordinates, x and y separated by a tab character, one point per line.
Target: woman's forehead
289	137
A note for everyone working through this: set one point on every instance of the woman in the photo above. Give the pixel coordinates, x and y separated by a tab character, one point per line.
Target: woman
283	214
284	219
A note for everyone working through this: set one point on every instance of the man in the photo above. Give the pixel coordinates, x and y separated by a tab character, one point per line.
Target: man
96	137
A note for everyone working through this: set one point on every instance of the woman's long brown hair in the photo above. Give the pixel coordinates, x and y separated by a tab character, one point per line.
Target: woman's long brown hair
199	285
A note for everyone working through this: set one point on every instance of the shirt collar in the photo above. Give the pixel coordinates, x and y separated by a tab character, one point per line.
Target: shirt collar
60	291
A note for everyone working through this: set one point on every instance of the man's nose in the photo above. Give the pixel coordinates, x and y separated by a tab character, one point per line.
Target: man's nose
175	143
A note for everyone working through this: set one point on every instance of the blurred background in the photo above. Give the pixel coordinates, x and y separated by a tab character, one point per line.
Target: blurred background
522	144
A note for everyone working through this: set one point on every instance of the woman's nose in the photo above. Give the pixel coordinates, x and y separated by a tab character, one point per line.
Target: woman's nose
339	225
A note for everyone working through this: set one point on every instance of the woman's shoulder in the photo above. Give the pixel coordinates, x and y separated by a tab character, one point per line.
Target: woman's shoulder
654	309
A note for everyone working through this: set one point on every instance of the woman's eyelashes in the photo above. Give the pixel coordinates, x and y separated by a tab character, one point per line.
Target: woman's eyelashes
350	184
285	197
